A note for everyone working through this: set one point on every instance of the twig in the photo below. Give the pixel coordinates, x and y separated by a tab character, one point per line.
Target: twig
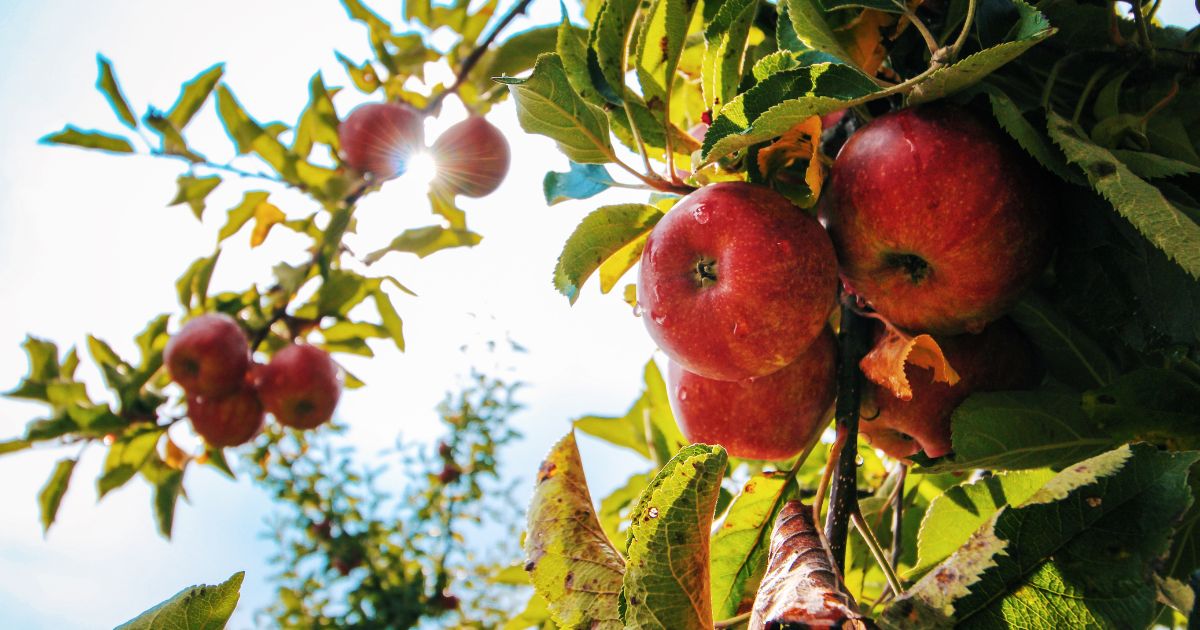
853	342
921	28
227	168
732	621
898	515
475	55
876	550
952	52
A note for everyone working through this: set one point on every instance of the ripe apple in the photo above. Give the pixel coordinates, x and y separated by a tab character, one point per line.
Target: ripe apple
769	417
736	282
227	420
997	359
209	356
379	138
299	386
472	158
939	221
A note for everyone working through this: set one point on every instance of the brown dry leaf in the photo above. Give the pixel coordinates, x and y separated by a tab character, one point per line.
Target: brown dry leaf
798	143
800	588
266	215
884	365
176	457
864	37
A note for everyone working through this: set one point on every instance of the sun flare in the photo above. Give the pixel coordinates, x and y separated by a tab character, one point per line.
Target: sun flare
422	169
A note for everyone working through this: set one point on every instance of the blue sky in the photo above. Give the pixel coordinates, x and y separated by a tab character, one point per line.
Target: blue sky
88	246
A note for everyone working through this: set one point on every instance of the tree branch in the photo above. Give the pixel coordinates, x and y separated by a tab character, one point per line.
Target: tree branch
473	58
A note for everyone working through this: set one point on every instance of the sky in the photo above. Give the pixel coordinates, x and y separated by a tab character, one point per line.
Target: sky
87	245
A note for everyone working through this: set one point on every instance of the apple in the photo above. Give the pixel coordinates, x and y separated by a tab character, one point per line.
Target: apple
768	417
227	420
735	281
379	138
209	356
472	158
998	359
299	386
939	220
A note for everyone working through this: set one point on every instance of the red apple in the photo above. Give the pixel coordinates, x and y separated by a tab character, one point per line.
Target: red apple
299	386
939	220
769	417
736	282
379	138
227	420
998	359
209	356
472	158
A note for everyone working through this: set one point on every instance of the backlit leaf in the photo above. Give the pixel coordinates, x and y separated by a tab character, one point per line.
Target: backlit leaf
548	105
89	140
193	190
885	364
810	28
266	216
614	509
193	608
107	83
192	96
51	494
241	214
743	537
600	235
725	50
125	458
424	241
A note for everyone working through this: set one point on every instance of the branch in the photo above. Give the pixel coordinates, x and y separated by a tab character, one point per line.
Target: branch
853	343
472	59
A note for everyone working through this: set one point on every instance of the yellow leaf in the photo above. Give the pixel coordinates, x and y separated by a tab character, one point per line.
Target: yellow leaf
798	143
266	215
884	365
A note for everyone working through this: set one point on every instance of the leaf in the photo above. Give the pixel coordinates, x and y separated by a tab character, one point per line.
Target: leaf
125	458
241	214
614	508
548	105
192	96
609	43
424	241
601	235
799	588
954	515
389	316
51	494
89	140
887	6
580	182
1082	548
572	563
1032	27
193	190
1140	203
799	144
1152	165
885	364
666	582
167	487
192	286
364	77
648	427
106	82
809	26
1151	404
1033	140
783	100
725	51
266	216
663	29
318	121
193	608
1070	355
42	356
741	542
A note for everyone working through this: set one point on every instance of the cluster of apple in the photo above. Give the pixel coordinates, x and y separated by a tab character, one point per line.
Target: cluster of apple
472	156
931	218
228	394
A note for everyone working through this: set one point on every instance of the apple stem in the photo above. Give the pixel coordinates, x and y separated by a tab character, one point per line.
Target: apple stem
876	549
898	515
930	42
853	343
952	52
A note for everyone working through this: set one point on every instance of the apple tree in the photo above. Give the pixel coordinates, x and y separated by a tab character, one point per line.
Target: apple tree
1010	194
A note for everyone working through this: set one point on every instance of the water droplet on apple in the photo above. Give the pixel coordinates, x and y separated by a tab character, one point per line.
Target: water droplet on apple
683	394
784	247
700	214
637	310
659	319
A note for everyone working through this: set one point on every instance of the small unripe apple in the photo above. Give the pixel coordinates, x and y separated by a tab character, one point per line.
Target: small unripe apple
769	417
227	420
472	158
209	356
997	359
299	386
736	282
379	138
939	220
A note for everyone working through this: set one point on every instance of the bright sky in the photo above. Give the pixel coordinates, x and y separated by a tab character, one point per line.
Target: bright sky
87	245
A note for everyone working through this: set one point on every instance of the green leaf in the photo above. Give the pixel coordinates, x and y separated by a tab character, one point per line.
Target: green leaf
389	316
580	182
1070	355
810	28
193	190
1083	548
192	96
601	235
608	42
42	356
106	82
614	508
724	51
424	241
125	458
318	122
887	6
12	446
783	100
548	105
518	53
241	214
739	548
173	142
660	41
666	582
89	140
1031	28
167	488
572	563
1140	203
192	286
193	608
1152	165
249	137
51	495
958	512
364	76
648	427
572	48
1151	404
1033	140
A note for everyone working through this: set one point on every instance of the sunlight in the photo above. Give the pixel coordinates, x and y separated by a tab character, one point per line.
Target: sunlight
422	169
